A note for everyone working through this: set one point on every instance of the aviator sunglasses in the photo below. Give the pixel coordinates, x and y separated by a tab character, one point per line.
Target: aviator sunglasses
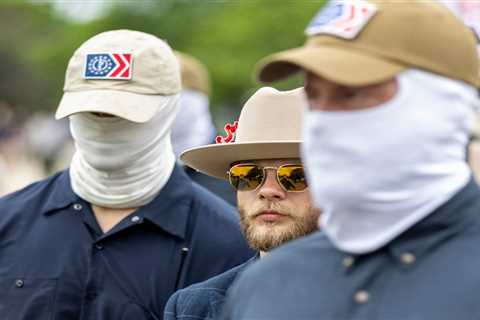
250	176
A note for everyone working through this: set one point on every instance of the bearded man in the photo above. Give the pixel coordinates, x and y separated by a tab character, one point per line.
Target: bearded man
263	165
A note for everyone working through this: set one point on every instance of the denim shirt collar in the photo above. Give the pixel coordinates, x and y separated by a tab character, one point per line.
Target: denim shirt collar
452	217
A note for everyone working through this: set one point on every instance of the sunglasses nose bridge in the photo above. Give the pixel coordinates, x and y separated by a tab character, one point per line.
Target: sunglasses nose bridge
270	176
270	188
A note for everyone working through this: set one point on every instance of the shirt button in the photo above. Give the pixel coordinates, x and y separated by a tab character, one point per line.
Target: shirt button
348	261
19	283
77	207
362	296
135	219
407	258
99	246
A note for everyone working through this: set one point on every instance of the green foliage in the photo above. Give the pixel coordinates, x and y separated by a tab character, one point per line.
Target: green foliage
230	37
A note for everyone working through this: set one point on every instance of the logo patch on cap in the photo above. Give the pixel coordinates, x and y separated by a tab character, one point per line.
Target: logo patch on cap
116	66
343	19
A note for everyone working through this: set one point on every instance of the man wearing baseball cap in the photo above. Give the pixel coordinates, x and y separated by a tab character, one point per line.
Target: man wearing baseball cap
193	125
263	165
115	235
392	93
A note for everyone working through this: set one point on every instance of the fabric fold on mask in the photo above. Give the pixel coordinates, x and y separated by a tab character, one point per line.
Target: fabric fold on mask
376	172
122	164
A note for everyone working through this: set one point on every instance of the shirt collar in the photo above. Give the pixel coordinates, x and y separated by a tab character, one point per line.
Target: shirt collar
169	210
446	221
60	194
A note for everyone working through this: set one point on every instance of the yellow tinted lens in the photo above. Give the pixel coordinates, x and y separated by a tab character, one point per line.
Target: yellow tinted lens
292	177
245	177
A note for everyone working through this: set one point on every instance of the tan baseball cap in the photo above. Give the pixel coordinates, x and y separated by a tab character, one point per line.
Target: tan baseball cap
129	74
269	127
361	42
194	73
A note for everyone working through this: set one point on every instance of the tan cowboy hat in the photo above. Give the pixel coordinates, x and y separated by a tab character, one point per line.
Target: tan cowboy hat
363	42
269	128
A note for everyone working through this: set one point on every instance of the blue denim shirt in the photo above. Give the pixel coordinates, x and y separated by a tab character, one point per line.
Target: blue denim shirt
203	301
430	272
57	264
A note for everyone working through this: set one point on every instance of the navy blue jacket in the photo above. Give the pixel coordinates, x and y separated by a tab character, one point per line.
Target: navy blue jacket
56	264
430	272
203	300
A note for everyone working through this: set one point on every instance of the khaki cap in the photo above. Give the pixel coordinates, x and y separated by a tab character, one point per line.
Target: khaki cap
396	36
194	73
135	95
265	131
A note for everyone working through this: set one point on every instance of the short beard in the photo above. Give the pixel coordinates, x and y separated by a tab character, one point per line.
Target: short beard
274	235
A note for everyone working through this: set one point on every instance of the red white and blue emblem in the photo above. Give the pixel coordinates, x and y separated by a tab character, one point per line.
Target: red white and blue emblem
116	66
343	19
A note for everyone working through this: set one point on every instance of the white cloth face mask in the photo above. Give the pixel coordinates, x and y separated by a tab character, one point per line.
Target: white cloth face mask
376	172
122	164
193	126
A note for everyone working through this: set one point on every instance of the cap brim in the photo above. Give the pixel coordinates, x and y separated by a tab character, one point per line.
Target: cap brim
131	106
215	159
341	65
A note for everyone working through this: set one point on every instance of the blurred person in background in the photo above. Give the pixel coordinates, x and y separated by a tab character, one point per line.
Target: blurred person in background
263	165
46	146
124	227
193	125
18	165
469	12
392	90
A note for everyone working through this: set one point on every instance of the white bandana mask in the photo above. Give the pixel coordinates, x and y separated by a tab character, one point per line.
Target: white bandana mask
122	164
193	126
378	171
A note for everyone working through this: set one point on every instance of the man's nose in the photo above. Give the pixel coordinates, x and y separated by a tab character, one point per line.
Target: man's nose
270	189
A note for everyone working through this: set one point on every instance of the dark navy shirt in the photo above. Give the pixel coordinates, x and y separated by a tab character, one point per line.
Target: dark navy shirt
430	272
56	264
204	300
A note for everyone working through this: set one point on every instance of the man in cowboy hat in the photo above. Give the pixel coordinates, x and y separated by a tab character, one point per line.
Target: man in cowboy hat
264	167
115	235
392	92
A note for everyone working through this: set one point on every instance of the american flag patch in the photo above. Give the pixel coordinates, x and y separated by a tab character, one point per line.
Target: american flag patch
343	19
116	66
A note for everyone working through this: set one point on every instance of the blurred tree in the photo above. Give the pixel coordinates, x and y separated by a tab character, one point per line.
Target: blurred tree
230	37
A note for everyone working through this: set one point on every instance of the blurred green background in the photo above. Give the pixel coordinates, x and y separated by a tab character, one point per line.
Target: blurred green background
38	37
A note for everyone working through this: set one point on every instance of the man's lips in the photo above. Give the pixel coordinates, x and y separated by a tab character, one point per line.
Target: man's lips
269	216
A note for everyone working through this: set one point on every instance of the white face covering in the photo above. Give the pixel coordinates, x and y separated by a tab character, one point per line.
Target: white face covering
376	172
122	164
193	126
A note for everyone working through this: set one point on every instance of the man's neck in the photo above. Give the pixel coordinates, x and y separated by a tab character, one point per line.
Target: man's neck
107	218
263	253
